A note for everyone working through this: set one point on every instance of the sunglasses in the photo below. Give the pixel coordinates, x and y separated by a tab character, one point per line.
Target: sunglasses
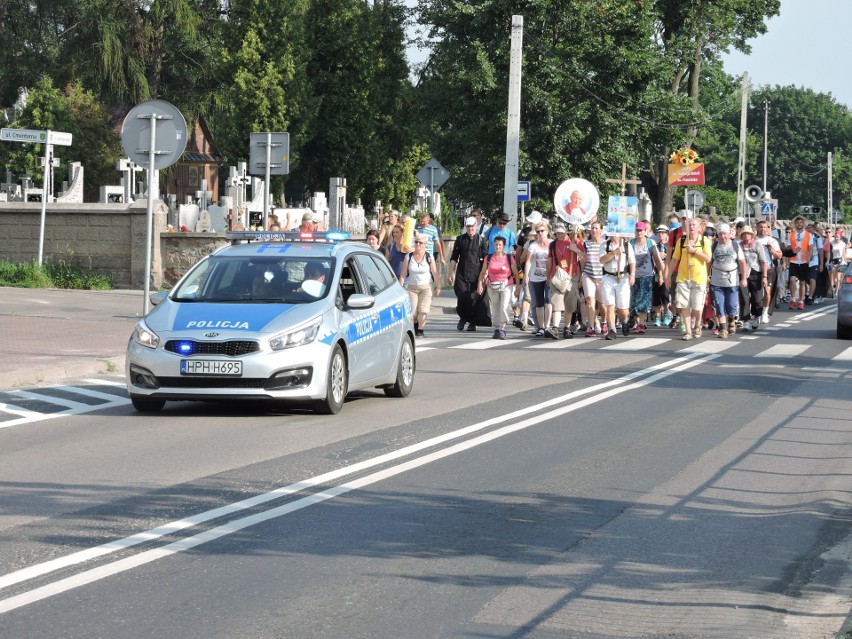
420	242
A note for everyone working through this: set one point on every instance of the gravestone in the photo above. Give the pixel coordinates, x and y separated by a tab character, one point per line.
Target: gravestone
74	193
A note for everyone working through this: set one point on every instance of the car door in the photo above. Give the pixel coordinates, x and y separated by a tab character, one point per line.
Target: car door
361	327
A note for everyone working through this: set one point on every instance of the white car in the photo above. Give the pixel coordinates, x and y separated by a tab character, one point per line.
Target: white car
276	316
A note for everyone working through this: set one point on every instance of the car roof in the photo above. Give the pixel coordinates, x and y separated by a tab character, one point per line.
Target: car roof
245	245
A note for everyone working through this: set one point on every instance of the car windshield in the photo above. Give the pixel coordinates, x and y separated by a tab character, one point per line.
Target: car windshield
256	279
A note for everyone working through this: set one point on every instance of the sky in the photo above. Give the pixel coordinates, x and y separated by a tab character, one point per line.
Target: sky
804	46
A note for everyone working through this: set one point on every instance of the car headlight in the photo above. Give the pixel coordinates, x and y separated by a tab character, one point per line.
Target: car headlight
304	334
145	336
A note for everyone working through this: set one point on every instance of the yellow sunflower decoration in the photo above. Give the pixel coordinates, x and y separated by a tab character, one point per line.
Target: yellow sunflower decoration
684	155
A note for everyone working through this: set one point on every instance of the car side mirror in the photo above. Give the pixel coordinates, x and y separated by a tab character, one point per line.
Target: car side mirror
158	297
360	301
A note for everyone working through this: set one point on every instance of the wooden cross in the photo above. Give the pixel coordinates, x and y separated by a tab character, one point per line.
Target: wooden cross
623	181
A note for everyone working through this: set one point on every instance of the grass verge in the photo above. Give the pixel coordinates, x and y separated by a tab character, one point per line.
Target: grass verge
58	275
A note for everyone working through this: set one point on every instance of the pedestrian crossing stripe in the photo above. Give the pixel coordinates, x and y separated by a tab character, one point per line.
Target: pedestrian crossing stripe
636	344
843	356
63	405
784	350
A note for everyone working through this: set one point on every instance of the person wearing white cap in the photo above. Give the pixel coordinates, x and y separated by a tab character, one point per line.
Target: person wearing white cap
757	276
469	251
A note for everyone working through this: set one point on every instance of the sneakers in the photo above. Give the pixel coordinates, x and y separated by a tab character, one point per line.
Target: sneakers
522	325
667	319
682	327
551	332
801	306
567	334
818	300
793	305
502	334
518	324
808	301
656	321
611	334
590	332
496	334
604	329
674	321
637	330
471	328
747	326
723	334
460	325
419	333
764	319
625	328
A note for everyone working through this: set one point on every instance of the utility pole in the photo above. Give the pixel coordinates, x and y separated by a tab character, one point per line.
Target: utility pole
829	199
765	139
742	158
513	124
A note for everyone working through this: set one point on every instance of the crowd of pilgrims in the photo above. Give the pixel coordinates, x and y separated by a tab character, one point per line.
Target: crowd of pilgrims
692	274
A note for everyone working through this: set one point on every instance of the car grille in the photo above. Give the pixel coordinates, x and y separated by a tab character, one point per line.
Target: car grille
211	382
232	348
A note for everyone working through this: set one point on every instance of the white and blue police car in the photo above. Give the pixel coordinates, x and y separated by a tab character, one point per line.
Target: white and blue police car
276	316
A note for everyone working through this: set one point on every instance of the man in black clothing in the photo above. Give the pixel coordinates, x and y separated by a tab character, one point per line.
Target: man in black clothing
469	251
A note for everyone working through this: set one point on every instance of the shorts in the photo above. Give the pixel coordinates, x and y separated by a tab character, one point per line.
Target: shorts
591	287
725	300
690	296
616	292
421	298
568	299
800	271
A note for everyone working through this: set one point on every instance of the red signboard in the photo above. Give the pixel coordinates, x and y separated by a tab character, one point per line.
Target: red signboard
686	174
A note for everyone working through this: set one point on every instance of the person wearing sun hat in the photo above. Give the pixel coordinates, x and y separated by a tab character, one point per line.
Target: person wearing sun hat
757	274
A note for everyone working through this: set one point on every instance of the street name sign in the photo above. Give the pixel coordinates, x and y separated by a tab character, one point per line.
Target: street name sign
35	136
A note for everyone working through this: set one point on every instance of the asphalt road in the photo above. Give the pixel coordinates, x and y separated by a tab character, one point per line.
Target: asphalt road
527	488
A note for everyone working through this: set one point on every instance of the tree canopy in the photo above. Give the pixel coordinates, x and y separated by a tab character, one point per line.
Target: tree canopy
605	82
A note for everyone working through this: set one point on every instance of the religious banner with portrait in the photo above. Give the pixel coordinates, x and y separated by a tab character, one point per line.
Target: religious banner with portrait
621	215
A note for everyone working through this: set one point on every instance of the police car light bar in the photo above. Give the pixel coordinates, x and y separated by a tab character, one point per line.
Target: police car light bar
326	237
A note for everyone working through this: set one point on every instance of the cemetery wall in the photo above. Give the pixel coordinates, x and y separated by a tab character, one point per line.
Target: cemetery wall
108	239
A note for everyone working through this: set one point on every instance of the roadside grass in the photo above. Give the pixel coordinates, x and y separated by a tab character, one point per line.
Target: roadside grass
56	275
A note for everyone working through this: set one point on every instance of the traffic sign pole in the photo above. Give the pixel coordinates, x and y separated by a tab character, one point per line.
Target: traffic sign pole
48	161
149	214
267	176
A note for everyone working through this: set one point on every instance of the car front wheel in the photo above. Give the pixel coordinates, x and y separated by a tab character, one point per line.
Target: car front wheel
404	372
336	383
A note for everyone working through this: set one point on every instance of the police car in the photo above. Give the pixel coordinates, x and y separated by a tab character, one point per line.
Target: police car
276	316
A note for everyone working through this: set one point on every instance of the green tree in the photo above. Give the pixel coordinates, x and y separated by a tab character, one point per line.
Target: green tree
72	110
803	127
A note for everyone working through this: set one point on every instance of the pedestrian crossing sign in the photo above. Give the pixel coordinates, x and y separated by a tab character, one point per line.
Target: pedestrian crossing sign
767	208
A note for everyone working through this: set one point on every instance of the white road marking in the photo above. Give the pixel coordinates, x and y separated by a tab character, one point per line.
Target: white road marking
597	393
709	346
558	344
636	344
784	350
59	401
843	356
71	407
480	345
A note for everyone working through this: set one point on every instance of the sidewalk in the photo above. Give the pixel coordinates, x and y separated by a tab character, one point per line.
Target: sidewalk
48	335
